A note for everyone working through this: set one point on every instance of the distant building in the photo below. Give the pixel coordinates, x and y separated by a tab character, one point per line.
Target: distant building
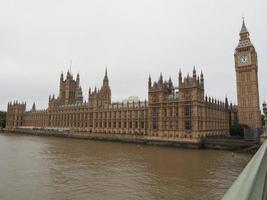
182	111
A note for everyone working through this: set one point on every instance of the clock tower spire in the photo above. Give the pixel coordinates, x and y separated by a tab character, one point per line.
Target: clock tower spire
246	67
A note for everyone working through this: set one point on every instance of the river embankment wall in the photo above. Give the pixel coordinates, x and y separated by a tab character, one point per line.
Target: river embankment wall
206	143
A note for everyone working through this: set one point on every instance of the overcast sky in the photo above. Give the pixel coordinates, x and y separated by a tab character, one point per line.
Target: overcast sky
133	38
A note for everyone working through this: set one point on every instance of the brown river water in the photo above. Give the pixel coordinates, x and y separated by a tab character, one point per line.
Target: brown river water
44	168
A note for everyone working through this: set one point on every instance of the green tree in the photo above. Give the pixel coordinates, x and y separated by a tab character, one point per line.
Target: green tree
2	119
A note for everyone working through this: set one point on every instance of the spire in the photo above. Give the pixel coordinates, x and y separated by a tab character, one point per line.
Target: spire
201	77
194	72
244	34
61	76
106	72
180	76
149	82
226	102
160	78
244	40
68	74
33	107
170	83
105	81
243	28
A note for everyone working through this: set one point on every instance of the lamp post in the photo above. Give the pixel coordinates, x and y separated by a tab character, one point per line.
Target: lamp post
265	118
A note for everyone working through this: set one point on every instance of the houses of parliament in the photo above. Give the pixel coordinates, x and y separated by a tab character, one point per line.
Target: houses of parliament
178	111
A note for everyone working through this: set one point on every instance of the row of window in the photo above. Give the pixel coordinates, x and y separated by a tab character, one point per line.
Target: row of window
120	124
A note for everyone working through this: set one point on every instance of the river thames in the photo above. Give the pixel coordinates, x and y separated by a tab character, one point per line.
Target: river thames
44	168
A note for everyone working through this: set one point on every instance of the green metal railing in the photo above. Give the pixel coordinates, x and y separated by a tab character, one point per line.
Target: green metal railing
252	182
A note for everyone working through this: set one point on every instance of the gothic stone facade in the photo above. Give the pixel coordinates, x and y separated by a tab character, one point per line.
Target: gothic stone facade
182	111
246	66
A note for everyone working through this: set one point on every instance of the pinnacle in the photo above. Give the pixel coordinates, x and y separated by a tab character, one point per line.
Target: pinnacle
106	71
243	28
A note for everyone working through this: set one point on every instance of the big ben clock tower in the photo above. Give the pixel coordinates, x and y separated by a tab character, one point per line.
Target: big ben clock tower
246	66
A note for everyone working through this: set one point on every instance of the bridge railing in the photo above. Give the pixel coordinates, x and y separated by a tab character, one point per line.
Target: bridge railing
252	182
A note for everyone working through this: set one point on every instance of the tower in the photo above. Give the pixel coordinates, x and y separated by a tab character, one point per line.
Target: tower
246	67
102	96
70	91
158	93
15	113
191	95
105	90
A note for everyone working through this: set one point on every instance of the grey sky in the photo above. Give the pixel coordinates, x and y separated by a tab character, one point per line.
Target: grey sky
133	38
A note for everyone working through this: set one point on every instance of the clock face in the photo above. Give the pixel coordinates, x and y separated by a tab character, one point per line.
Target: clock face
244	59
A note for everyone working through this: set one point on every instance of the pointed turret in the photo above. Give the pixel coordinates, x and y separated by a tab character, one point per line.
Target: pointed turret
180	76
106	72
226	102
170	85
61	76
244	29
149	82
68	75
105	81
194	73
160	79
201	78
33	107
244	34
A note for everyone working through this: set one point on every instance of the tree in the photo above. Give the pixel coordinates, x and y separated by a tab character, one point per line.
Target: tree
2	119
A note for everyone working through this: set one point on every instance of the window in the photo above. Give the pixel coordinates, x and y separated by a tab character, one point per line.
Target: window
187	115
142	125
187	125
154	118
187	110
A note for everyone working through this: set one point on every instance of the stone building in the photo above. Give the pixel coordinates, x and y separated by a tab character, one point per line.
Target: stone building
15	114
246	66
182	111
177	111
